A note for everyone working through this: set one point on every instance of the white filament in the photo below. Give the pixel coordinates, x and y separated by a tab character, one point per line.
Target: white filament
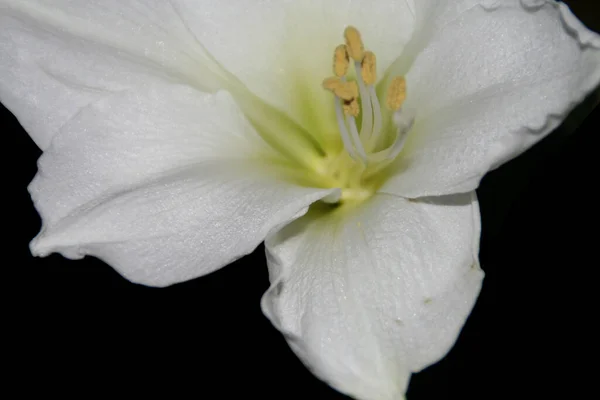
365	100
356	138
343	130
402	127
352	140
377	117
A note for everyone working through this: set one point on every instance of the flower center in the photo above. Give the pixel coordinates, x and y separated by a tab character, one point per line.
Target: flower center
368	151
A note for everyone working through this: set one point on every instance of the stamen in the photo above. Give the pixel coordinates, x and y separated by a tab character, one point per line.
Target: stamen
369	68
367	118
354	42
377	122
391	152
360	146
396	93
345	90
403	126
356	139
344	131
341	61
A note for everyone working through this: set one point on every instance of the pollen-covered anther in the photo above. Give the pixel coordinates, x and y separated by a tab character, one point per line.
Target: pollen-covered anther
351	108
354	43
369	68
346	91
396	93
341	61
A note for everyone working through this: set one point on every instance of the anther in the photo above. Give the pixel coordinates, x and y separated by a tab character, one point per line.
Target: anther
346	91
351	108
341	61
356	49
369	66
396	93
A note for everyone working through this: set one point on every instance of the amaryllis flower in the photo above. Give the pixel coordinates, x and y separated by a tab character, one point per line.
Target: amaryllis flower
348	135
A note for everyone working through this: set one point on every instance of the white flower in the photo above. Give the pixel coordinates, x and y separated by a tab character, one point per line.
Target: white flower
178	135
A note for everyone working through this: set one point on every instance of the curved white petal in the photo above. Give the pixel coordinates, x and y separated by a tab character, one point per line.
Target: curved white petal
57	56
164	184
282	49
367	297
492	81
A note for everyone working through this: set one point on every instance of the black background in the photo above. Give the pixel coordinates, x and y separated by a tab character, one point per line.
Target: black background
80	328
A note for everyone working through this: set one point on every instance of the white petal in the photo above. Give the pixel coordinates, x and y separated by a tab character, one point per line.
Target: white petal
365	299
57	56
490	84
165	185
282	50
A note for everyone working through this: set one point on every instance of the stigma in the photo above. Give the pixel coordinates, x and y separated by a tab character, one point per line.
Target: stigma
358	97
